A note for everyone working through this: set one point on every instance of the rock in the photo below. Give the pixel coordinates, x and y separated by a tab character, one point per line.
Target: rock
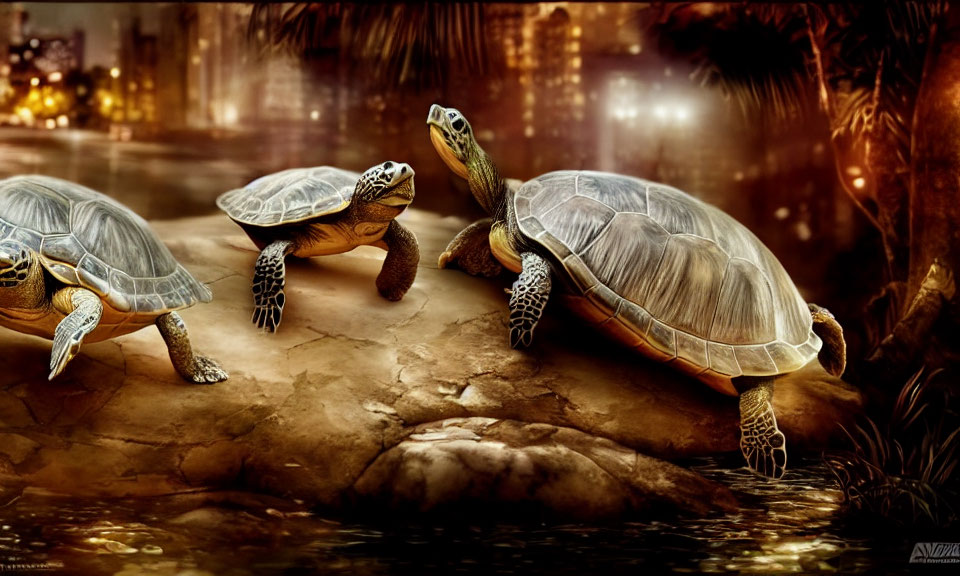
469	466
352	387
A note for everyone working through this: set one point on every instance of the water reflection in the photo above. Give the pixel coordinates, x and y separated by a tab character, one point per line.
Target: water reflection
791	526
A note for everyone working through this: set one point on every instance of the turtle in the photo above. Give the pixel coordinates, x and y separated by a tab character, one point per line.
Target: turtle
77	266
324	210
656	269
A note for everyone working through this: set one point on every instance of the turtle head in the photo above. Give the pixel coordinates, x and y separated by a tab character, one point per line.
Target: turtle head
15	260
388	186
452	137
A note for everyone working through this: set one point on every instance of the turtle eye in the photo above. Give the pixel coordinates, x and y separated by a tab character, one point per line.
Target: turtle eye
458	124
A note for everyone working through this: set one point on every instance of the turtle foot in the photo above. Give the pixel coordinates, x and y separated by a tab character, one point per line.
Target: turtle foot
268	279
470	251
205	371
483	265
763	444
766	456
391	294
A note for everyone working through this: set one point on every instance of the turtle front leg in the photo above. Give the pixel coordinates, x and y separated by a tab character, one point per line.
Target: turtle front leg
83	310
528	298
470	251
762	443
268	280
400	266
192	367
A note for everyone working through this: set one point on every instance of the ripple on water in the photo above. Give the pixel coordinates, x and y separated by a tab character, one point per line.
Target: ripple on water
782	527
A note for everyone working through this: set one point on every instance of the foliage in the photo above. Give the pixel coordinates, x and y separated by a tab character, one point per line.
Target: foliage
904	472
753	53
864	62
415	44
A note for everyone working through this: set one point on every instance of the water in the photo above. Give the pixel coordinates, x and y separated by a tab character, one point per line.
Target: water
791	526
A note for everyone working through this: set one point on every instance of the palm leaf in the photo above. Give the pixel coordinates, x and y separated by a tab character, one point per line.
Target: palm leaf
405	44
753	53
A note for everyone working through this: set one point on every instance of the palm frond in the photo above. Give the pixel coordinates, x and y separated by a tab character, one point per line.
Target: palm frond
404	44
879	51
753	53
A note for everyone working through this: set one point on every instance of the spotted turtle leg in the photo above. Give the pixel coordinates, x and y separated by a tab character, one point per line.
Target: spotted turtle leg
83	309
268	278
761	441
191	366
528	298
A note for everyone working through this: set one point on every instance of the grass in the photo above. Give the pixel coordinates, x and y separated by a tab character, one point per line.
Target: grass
904	471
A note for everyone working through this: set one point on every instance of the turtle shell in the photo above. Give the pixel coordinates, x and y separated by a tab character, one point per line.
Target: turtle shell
668	274
84	238
290	196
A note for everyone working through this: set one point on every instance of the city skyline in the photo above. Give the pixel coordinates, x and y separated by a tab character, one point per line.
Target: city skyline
96	19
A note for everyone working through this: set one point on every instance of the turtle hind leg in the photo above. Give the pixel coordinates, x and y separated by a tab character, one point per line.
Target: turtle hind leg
268	280
833	353
400	266
83	310
763	444
528	298
192	367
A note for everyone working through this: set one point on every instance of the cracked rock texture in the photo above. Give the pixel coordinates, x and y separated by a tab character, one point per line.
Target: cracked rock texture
418	403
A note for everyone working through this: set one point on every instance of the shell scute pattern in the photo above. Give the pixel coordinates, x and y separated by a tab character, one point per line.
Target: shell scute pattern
686	277
291	196
85	238
746	306
677	216
691	348
62	248
616	191
631	242
722	359
690	266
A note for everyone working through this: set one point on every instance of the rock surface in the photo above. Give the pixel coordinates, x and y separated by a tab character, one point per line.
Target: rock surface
357	399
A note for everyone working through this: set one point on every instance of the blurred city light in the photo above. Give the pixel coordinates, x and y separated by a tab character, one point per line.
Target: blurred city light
34	81
55	77
114	72
230	114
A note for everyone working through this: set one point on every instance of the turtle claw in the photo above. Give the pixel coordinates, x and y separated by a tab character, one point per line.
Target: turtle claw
444	258
62	354
520	337
267	318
